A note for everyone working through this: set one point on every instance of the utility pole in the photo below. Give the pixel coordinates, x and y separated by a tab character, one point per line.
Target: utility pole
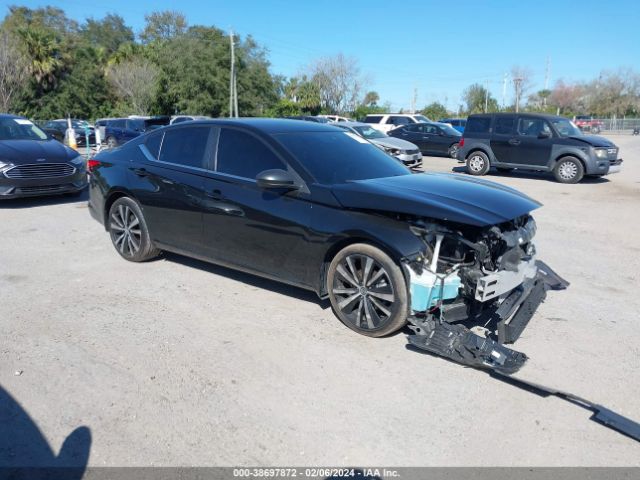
517	81
486	96
504	91
414	100
546	81
233	94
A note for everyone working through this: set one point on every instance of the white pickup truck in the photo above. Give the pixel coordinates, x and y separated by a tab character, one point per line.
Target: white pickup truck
388	121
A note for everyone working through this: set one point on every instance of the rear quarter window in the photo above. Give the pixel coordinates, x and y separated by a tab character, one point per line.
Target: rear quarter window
373	119
478	125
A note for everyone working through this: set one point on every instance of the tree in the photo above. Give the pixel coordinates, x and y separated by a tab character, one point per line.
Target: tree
371	99
565	96
13	70
435	111
339	82
476	96
521	79
134	82
46	59
109	33
163	25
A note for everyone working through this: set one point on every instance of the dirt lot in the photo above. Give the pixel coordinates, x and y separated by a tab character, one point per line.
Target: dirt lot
176	362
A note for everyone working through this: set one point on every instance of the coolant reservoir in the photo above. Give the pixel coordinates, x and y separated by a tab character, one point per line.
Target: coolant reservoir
427	289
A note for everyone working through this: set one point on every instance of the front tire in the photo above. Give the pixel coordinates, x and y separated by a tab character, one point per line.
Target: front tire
478	163
367	290
129	232
568	170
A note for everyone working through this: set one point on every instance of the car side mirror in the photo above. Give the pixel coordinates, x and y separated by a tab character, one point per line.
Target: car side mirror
276	178
544	134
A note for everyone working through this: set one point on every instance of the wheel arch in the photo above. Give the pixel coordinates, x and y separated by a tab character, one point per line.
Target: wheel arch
342	243
566	154
482	149
110	199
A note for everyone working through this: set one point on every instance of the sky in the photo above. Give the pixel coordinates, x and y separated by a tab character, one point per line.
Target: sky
436	48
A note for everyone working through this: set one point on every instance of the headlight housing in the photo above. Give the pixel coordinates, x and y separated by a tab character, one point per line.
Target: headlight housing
79	160
392	151
601	152
5	165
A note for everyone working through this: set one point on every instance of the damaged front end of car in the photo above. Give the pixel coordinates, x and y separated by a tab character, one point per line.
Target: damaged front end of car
474	289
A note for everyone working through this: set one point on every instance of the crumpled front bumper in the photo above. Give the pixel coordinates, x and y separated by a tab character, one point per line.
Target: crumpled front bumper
475	347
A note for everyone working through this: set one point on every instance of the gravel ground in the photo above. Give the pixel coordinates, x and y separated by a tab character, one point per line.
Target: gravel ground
177	362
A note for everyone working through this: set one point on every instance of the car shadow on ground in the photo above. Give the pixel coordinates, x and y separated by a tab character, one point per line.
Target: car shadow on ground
548	176
249	279
25	452
44	201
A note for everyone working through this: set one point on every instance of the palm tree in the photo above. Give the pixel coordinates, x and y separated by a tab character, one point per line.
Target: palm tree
45	59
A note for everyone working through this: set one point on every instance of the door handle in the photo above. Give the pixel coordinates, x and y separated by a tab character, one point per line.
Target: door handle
215	194
227	209
514	141
141	172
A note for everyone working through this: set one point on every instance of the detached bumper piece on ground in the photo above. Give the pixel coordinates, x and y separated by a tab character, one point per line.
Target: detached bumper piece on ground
468	305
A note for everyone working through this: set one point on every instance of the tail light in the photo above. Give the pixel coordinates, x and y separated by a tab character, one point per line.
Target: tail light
460	143
92	164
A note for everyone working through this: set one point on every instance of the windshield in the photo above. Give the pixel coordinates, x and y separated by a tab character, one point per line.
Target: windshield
20	129
339	157
421	118
565	128
369	132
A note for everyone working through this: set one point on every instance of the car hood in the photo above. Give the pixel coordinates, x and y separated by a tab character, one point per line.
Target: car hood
441	196
594	140
28	151
390	142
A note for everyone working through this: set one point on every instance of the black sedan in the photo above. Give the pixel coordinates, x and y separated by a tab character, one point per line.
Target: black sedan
431	138
317	207
58	130
31	163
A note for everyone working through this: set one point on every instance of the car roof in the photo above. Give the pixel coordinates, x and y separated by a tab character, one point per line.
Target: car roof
271	125
503	114
9	115
394	114
354	124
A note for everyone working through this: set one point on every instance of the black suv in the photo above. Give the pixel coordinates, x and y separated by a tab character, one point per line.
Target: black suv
535	142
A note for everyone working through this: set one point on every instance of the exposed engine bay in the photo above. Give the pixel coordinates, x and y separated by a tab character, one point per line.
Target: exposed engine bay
474	289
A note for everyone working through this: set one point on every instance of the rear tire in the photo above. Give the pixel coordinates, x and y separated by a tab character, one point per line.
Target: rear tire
129	232
367	290
112	142
568	170
453	151
478	163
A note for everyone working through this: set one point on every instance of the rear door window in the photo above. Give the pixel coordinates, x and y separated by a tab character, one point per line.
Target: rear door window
478	125
152	144
504	125
373	119
185	146
243	155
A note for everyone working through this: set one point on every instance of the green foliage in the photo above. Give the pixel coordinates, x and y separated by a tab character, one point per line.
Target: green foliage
109	33
284	108
435	111
475	96
69	66
362	111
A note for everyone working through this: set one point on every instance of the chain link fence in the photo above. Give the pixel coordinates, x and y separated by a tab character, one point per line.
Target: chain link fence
623	126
